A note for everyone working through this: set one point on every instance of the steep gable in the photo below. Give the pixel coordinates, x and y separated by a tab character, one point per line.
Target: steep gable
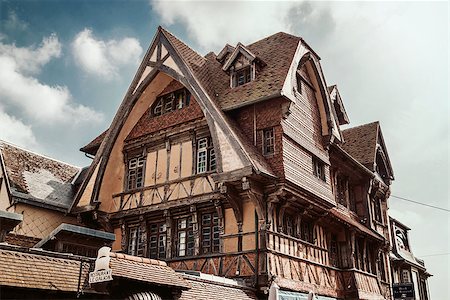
167	59
365	143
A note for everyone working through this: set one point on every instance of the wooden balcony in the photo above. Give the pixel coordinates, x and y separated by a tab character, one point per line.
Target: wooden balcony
231	265
292	246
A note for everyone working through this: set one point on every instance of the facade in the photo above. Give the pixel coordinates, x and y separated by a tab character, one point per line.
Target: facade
235	165
409	275
232	169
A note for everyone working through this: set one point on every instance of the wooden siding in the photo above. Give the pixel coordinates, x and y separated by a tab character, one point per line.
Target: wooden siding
303	124
298	168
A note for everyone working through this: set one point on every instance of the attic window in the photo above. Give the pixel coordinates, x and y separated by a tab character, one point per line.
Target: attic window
171	101
242	76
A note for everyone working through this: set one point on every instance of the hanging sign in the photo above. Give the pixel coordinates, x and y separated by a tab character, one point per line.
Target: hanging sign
102	272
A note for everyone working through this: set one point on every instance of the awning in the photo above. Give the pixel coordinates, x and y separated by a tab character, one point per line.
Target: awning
82	232
144	296
289	295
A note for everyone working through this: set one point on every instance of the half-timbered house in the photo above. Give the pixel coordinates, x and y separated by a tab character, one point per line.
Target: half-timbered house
236	165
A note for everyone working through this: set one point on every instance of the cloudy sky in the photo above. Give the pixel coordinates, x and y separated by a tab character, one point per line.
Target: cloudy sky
65	66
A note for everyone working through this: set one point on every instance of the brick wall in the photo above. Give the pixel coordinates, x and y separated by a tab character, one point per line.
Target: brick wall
264	115
149	124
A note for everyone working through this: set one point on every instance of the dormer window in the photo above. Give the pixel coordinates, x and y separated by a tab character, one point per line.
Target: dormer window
171	101
243	76
241	64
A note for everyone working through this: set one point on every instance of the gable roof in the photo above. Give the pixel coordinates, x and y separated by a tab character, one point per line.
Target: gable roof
240	49
208	70
36	179
93	145
364	142
145	270
277	52
338	105
361	143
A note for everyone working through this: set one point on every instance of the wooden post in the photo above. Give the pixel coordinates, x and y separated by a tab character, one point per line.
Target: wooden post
169	232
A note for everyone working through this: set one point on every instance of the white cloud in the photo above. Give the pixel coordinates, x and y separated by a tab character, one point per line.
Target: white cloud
15	131
25	93
104	58
31	59
239	21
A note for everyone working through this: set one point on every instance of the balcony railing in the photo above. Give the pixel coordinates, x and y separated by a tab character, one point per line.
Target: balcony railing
292	246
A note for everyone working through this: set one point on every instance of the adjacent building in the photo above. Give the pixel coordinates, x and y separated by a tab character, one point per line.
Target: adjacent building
409	275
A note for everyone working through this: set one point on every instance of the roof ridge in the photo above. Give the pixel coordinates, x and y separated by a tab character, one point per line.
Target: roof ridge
165	31
272	35
138	259
362	125
35	153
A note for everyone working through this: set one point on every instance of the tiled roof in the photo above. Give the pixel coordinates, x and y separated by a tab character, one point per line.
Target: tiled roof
344	216
145	269
361	143
38	179
189	56
40	271
93	145
277	52
208	71
202	289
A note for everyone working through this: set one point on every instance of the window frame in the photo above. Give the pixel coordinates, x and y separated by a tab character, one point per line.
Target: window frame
213	236
207	153
154	252
189	239
171	102
319	168
135	242
135	175
307	232
268	142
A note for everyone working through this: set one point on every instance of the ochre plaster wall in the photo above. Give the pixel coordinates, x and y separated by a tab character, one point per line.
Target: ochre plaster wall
4	199
113	178
39	222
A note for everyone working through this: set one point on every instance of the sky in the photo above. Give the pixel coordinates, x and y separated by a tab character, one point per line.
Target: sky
66	65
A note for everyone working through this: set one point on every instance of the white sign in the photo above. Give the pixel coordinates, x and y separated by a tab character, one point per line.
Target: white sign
102	272
100	276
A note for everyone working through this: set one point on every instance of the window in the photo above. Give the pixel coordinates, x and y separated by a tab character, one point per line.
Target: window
81	250
352	198
342	190
243	76
405	276
299	82
307	231
376	206
210	233
289	225
135	241
157	240
172	101
135	178
206	157
381	268
333	251
185	237
268	141
318	168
